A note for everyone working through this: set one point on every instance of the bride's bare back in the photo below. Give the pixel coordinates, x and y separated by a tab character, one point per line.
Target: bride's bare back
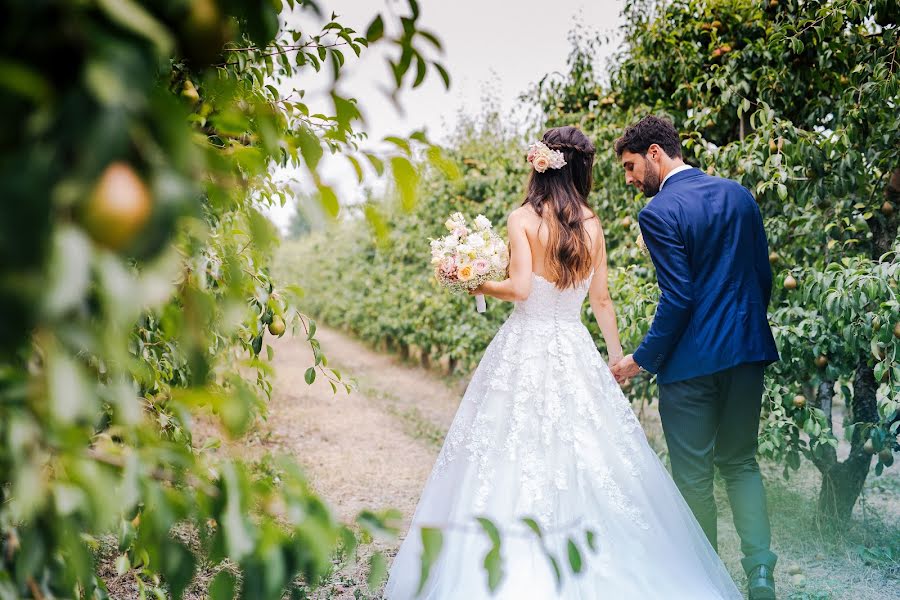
528	245
538	234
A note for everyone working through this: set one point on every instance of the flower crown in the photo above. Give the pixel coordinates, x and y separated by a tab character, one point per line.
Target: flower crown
542	158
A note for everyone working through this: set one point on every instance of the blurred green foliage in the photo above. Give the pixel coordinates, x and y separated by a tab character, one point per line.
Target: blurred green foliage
136	148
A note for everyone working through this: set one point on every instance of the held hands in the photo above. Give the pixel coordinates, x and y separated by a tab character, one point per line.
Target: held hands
615	359
625	368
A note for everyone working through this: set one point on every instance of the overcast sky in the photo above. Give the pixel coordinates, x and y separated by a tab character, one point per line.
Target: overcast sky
505	46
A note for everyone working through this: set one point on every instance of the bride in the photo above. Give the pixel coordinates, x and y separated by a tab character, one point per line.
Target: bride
544	432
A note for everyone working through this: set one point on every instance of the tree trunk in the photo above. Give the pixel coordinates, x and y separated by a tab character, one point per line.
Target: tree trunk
841	486
842	482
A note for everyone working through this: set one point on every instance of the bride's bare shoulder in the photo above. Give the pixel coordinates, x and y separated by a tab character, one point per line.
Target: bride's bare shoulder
591	220
524	216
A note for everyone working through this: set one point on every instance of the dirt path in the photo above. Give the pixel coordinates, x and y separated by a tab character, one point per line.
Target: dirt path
373	448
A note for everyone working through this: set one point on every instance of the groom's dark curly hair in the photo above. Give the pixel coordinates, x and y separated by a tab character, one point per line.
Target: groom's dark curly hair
650	130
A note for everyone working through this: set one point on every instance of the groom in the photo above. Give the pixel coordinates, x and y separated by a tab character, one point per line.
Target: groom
710	339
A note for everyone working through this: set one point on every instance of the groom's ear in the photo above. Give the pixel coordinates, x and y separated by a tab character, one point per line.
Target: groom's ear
655	153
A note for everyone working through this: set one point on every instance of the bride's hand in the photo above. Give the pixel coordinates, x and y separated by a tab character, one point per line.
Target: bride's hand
476	291
614	359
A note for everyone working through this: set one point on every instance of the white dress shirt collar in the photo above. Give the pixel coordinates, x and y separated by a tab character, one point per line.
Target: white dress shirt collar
678	169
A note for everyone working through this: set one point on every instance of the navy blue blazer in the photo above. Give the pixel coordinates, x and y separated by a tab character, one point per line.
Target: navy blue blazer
706	239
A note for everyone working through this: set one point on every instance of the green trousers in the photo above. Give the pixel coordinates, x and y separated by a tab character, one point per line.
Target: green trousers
713	421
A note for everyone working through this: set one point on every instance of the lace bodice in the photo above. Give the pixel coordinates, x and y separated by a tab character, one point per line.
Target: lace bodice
547	302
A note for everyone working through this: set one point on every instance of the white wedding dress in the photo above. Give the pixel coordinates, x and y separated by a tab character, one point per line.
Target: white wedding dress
544	431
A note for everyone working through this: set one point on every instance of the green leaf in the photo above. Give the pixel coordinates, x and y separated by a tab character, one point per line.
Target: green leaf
432	541
70	271
375	31
431	38
376	220
591	539
178	565
574	556
445	76
379	523
19	78
310	147
491	529
71	396
399	142
420	72
312	330
533	525
493	563
376	163
357	168
349	543
310	375
406	179
345	111
447	166
222	586
123	565
329	200
557	571
132	16
377	571
236	530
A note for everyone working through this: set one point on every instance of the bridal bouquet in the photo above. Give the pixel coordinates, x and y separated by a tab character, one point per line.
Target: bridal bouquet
469	256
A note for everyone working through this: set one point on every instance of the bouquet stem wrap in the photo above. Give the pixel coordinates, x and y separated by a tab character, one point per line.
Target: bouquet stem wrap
480	305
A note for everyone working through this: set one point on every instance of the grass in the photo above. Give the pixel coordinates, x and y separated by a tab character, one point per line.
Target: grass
415	424
830	560
855	562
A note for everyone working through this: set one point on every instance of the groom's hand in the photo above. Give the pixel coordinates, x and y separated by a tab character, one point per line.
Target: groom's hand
625	369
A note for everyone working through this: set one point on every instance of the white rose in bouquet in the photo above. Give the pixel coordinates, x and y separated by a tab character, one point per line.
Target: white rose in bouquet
482	223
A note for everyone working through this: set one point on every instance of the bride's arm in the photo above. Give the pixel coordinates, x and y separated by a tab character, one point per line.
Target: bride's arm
517	286
603	308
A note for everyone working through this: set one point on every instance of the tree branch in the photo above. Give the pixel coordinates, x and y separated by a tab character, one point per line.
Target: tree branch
283	50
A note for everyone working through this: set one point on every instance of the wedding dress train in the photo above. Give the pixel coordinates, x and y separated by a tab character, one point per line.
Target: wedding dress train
543	431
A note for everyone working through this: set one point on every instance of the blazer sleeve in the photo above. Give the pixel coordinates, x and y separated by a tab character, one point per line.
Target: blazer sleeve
673	273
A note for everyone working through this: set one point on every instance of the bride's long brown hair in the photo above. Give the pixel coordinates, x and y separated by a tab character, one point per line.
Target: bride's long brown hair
561	195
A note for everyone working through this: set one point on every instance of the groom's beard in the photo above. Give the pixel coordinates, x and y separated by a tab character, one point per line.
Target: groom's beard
650	185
